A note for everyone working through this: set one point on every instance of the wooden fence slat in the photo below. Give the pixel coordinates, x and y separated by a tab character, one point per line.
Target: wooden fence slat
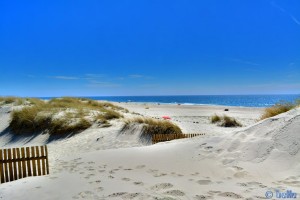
28	161
2	180
38	160
23	162
14	156
10	168
5	166
47	163
20	174
43	161
33	161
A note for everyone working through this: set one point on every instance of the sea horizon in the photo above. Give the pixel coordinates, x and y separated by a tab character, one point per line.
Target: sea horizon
222	100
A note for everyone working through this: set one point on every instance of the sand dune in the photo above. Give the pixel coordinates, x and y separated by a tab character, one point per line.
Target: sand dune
240	163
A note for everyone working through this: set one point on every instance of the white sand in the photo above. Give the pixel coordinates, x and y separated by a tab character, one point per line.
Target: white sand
226	163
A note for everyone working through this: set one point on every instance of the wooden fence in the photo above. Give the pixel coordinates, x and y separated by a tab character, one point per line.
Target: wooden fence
17	163
168	137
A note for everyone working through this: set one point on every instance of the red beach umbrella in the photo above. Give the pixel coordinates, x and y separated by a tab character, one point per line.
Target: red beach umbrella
166	117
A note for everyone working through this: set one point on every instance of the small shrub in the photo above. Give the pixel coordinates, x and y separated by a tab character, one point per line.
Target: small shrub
152	126
229	122
225	121
215	118
110	114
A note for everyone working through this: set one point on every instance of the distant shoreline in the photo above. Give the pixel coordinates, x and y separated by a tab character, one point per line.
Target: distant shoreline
260	101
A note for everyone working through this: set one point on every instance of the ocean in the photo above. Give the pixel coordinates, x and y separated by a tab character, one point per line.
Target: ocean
226	100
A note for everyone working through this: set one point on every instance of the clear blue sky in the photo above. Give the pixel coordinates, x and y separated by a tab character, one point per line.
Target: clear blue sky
149	47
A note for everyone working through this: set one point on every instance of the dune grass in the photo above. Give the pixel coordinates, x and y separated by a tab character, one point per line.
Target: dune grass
61	115
11	100
225	121
153	126
230	122
215	118
279	108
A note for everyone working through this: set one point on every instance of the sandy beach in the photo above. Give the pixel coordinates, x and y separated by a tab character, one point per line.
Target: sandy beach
226	163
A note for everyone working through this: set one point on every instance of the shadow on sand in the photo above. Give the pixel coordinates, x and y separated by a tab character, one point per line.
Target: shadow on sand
13	138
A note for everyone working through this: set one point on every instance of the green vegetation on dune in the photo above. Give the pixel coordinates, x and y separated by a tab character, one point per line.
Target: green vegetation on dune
61	115
153	126
225	121
279	108
215	118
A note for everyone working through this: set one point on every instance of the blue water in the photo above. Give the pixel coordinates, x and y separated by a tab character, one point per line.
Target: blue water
227	100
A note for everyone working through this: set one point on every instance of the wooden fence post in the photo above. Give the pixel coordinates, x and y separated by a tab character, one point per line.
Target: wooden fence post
1	168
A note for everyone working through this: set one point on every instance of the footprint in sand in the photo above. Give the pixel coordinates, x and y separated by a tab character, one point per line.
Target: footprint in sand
130	196
117	194
99	189
140	166
138	183
162	186
202	197
126	179
175	193
258	197
231	195
86	195
152	171
160	174
241	174
204	182
213	192
237	168
128	169
242	184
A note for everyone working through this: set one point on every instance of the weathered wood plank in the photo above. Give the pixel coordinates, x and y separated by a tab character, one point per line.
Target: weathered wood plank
20	174
10	167
24	172
33	161
2	180
43	161
38	160
5	166
14	156
47	163
28	156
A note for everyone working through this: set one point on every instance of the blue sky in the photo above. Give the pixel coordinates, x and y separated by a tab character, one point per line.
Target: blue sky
150	47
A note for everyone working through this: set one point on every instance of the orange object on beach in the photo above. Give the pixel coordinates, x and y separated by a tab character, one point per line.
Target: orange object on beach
166	117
